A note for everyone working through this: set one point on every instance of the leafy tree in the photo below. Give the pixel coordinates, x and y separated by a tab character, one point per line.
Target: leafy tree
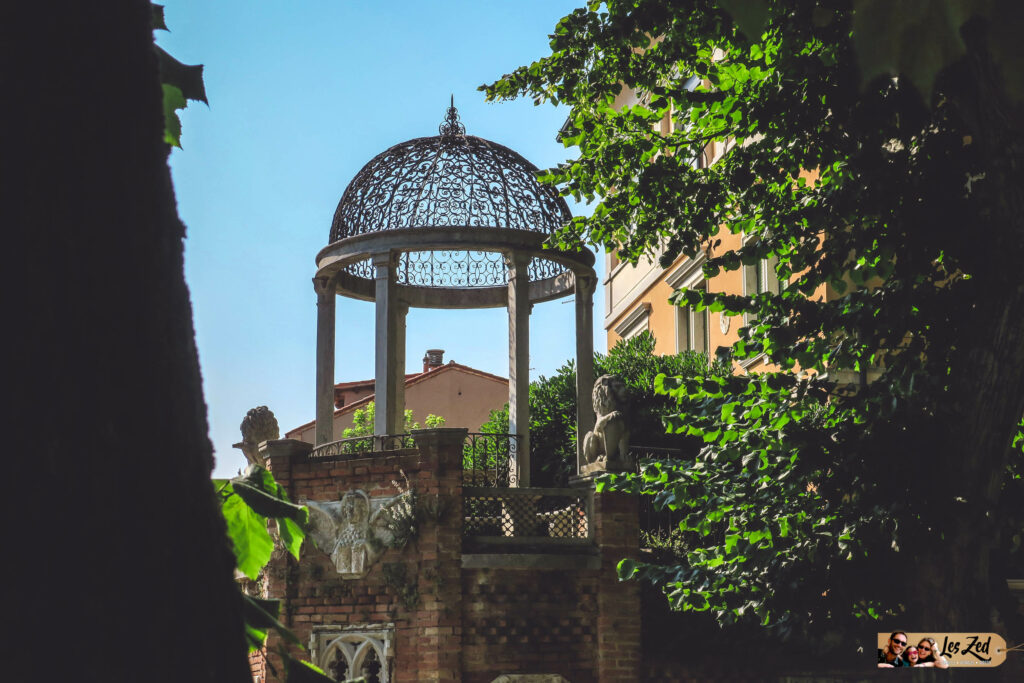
362	422
874	152
553	404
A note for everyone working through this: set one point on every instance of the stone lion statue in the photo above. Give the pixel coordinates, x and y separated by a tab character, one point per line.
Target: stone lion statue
607	446
258	426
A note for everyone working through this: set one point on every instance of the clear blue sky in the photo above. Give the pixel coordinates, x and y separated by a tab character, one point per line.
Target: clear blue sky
302	95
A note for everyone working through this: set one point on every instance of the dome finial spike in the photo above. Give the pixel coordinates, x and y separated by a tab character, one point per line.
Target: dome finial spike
451	126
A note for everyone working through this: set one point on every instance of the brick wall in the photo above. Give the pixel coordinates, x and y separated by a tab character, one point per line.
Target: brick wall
416	588
529	621
617	533
453	623
258	666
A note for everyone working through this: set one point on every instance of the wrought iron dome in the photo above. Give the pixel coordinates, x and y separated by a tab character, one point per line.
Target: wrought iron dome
451	221
451	211
449	180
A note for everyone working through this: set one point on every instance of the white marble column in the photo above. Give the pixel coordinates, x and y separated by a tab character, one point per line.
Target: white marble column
519	362
325	306
386	347
585	285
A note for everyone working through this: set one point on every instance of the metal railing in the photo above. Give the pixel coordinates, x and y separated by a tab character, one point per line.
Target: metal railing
657	526
536	515
489	460
356	445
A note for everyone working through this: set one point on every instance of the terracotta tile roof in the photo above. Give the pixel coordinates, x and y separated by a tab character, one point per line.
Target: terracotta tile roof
358	384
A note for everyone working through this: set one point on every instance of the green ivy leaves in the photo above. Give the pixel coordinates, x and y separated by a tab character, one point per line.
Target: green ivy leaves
868	196
181	83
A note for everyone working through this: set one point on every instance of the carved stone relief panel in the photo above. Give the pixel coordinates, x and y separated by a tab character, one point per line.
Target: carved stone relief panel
355	530
359	652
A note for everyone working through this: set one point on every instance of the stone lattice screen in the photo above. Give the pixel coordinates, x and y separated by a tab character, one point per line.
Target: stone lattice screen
535	513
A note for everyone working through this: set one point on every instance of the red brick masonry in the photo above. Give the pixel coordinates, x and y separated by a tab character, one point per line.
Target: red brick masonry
453	622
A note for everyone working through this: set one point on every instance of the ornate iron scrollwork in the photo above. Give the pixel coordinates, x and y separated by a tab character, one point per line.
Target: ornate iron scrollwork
453	180
460	269
451	125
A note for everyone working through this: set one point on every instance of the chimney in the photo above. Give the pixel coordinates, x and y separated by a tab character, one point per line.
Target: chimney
434	359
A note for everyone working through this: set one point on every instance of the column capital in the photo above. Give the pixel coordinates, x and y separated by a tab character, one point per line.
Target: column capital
585	283
384	259
517	259
324	285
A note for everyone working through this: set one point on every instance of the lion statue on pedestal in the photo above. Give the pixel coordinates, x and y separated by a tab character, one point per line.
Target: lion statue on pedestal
258	426
607	446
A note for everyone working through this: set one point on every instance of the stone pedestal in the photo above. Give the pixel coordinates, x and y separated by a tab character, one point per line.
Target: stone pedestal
617	534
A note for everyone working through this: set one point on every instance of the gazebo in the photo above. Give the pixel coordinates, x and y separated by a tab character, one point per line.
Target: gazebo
450	221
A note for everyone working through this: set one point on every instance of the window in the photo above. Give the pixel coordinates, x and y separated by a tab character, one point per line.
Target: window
634	323
354	653
693	327
758	279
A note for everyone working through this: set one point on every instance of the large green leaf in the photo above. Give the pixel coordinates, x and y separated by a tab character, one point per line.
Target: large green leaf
291	535
173	100
157	21
249	536
264	495
255	638
262	615
186	77
260	612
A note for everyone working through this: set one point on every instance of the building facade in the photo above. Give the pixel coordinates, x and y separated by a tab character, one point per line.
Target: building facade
462	395
637	297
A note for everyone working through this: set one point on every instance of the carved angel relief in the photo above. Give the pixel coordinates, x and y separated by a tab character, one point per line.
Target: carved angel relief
356	530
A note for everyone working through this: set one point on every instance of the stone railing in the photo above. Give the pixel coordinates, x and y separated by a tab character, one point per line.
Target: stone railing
539	516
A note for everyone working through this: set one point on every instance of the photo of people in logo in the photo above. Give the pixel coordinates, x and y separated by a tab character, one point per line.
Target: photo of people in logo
900	649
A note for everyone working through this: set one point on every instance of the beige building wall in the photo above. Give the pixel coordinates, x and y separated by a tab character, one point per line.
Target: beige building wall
461	395
637	298
463	399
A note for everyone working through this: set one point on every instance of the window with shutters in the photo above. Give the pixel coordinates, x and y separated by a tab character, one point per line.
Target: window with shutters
693	327
759	278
